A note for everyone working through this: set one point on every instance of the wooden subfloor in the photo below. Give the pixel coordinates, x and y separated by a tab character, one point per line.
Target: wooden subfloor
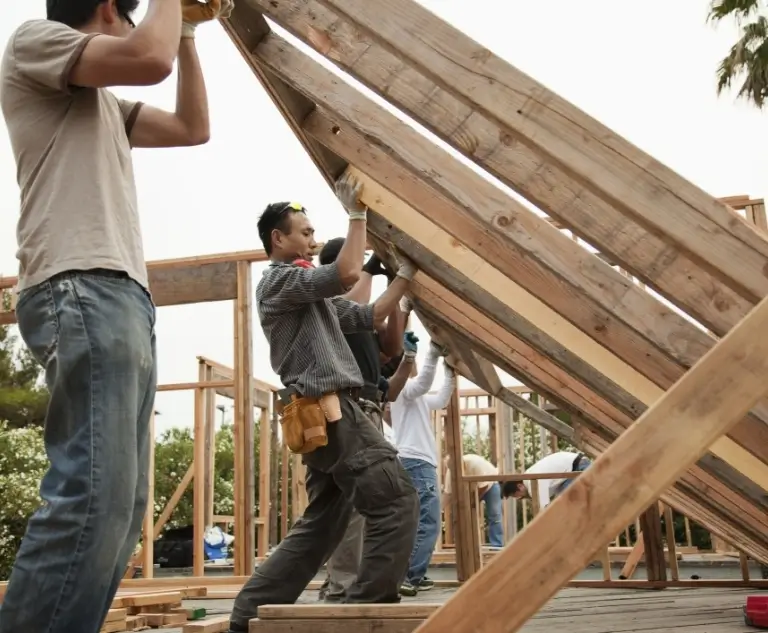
627	611
572	611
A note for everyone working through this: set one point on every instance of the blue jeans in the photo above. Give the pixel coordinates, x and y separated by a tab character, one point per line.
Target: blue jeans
493	515
93	332
424	477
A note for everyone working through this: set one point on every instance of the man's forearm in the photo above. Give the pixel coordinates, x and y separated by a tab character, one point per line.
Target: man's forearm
361	291
352	252
389	299
399	378
391	339
160	30
191	94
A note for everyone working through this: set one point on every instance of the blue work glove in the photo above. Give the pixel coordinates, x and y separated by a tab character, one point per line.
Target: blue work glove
409	345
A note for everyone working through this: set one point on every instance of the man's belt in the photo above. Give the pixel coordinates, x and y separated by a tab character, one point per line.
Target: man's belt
371	392
285	396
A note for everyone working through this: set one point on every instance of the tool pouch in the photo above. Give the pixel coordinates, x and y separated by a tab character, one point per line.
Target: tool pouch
304	425
331	407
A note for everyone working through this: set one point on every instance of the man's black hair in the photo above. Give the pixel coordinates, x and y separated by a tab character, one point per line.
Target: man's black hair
276	216
509	488
77	13
330	251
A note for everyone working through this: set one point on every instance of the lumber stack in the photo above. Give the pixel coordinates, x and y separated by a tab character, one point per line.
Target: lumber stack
155	610
343	618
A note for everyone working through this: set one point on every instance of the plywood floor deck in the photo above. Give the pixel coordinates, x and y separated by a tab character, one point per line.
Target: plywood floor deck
626	611
602	610
629	611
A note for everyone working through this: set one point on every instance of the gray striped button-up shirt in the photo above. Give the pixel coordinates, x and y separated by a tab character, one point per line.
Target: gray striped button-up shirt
304	320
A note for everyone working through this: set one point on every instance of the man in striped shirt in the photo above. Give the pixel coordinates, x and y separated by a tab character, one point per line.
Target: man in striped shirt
304	319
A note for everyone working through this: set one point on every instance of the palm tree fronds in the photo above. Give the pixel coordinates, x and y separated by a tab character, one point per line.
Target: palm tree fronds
747	58
738	9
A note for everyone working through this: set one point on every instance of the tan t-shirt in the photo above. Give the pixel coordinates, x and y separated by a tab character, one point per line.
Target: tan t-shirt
73	158
474	466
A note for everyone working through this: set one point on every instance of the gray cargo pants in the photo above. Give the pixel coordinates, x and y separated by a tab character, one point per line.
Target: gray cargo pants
345	560
358	468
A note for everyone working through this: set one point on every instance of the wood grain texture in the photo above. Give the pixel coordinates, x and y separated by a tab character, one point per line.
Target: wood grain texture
621	306
597	158
668	270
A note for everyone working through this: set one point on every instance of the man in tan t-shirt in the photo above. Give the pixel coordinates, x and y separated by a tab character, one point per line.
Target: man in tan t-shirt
84	308
489	492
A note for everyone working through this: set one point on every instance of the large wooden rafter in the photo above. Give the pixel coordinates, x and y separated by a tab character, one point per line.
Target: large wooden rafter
634	392
384	63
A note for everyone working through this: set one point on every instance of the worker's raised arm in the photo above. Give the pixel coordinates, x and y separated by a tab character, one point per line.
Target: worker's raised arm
441	399
59	57
352	253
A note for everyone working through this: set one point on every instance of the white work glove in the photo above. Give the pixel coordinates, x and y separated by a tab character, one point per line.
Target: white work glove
439	350
406	305
407	269
348	191
202	12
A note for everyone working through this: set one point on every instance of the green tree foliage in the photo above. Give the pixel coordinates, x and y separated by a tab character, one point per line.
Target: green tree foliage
23	400
22	465
747	61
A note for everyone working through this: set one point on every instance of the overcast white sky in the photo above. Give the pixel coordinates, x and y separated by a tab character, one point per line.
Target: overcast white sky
645	69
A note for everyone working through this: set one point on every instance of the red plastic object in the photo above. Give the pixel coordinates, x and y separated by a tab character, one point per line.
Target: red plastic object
756	612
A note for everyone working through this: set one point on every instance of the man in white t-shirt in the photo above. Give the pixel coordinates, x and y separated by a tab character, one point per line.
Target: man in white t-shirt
561	462
488	492
409	415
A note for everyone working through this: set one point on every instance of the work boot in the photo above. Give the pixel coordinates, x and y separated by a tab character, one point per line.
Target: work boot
407	589
425	584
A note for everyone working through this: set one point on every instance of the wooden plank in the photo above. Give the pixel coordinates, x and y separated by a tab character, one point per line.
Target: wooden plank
368	625
346	611
669	271
198	480
596	156
650	525
245	549
639	466
212	625
180	286
147	525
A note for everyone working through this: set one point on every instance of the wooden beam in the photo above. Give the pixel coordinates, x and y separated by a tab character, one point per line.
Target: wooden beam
402	80
243	427
629	476
198	487
650	526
